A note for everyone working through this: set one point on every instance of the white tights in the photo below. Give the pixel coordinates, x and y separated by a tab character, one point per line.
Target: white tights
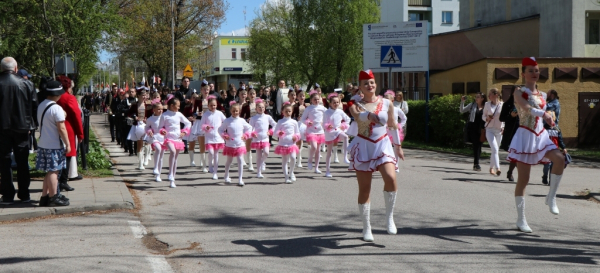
240	159
172	160
213	159
284	164
158	157
344	138
261	157
313	155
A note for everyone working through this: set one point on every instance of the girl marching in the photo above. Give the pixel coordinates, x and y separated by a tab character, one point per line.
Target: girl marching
171	129
208	125
248	111
335	124
288	133
260	135
313	118
530	144
155	138
235	131
398	115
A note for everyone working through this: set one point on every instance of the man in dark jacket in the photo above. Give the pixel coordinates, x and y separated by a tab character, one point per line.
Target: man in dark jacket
111	115
17	103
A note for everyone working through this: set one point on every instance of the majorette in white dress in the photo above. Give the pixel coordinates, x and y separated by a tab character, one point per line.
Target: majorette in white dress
531	142
334	123
371	147
208	127
152	126
286	130
260	130
138	131
235	128
170	121
313	118
398	113
195	131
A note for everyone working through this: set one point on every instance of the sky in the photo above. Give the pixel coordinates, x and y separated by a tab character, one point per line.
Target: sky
234	20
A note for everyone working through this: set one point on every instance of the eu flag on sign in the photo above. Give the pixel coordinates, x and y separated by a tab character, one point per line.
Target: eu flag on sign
419	24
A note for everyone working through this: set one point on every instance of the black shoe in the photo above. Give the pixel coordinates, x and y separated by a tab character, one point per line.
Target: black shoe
79	177
130	154
65	187
544	180
62	197
3	201
56	201
476	168
44	200
112	140
510	177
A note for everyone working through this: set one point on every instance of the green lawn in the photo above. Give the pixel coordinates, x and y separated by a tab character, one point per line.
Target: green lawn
589	153
438	148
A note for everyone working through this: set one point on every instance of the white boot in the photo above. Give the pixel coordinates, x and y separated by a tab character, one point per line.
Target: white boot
299	162
390	202
365	210
521	221
148	155
141	160
250	165
551	197
192	162
335	157
204	159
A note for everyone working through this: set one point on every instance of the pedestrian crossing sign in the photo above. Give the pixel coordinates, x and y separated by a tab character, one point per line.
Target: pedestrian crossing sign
391	56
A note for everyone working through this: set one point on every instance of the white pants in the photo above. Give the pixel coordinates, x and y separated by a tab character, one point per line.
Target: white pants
494	137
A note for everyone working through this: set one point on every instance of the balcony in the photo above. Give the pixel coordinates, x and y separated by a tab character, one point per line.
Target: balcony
419	3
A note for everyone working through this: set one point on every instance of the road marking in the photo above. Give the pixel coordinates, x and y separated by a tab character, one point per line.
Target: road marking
159	264
138	229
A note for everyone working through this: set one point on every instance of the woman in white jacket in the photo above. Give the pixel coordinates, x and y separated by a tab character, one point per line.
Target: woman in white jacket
493	128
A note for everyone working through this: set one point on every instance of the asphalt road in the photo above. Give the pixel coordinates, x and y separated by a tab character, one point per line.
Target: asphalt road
449	218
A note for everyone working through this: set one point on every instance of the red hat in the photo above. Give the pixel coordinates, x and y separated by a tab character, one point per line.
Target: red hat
366	75
529	61
65	81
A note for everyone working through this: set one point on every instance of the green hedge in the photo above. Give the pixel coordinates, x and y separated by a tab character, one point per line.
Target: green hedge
446	123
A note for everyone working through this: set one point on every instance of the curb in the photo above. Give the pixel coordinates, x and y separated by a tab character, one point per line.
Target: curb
595	195
65	210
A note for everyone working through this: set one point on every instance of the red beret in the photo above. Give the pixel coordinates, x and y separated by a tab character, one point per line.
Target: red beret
529	61
366	75
65	81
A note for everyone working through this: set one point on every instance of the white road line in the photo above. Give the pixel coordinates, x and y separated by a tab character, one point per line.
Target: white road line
138	229
159	264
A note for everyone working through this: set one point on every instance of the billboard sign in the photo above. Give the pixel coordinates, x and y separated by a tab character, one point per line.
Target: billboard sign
407	42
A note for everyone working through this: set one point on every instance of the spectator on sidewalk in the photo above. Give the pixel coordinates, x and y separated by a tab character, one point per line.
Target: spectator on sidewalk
493	128
32	141
74	127
17	104
475	126
111	115
510	117
51	154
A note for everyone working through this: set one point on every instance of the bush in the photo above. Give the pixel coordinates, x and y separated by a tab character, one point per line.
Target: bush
446	123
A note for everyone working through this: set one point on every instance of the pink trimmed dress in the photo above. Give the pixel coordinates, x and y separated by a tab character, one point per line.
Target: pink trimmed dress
334	123
371	147
531	142
170	121
235	129
208	127
313	118
260	131
286	129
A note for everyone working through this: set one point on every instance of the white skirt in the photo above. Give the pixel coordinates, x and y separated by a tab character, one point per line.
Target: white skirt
353	129
196	130
137	132
528	148
366	156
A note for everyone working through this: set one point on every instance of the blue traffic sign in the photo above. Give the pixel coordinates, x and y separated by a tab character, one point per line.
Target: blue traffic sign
391	56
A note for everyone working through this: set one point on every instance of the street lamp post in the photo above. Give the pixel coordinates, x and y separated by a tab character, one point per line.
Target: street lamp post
173	43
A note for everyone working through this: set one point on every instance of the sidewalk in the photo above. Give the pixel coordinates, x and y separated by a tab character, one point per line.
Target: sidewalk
90	194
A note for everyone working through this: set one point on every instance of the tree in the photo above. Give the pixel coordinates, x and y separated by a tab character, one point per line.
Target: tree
310	41
147	32
33	31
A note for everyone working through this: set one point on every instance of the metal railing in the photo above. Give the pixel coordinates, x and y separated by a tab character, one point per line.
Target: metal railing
420	3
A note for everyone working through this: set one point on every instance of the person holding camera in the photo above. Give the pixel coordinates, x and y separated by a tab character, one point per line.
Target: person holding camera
493	128
510	117
475	125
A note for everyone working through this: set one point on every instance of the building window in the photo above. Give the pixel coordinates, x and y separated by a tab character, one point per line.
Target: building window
594	31
243	54
413	16
446	17
233	53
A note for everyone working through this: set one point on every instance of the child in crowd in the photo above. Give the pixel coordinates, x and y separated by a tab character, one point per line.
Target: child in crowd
170	127
335	124
53	145
313	118
399	117
288	133
260	135
155	138
209	124
235	131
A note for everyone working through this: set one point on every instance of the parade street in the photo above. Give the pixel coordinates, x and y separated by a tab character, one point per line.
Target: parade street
449	218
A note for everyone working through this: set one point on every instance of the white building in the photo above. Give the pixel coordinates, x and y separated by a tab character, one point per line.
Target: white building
443	15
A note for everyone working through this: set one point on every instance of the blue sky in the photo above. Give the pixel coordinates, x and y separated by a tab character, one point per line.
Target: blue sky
234	19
